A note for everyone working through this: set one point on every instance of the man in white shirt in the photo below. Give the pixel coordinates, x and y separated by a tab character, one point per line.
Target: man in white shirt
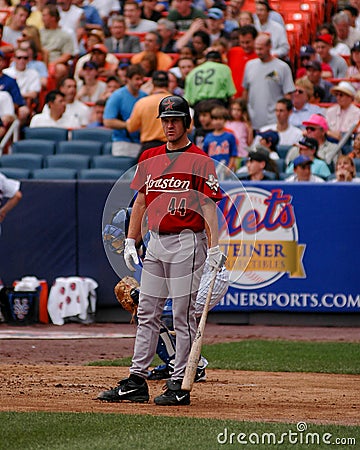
55	116
7	108
288	134
262	22
28	80
134	22
75	110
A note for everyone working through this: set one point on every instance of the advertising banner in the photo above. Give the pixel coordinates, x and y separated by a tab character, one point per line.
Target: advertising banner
291	247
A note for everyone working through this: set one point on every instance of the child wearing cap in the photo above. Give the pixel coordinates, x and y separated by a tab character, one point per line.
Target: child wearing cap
270	140
302	171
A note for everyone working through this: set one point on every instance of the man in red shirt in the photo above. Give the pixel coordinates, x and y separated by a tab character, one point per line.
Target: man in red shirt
177	192
239	56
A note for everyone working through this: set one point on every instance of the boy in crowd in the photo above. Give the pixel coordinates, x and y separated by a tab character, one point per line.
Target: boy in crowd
220	144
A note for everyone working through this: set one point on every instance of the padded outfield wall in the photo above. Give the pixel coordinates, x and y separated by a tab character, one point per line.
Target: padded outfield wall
293	249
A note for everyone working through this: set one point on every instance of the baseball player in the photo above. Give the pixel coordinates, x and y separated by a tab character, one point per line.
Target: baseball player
114	235
177	192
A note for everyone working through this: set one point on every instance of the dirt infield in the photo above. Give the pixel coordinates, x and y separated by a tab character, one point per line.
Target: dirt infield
46	375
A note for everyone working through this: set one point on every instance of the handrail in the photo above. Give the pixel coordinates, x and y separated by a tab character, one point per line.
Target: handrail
12	132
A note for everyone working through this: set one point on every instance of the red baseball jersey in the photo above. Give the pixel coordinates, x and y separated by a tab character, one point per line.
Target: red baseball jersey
176	185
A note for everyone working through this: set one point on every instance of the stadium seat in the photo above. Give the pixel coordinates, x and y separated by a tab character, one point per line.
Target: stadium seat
113	162
90	148
280	164
28	161
282	150
106	150
100	174
15	172
357	164
50	133
92	134
68	161
54	173
40	146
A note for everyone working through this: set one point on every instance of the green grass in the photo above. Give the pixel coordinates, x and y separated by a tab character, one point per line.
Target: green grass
276	356
88	431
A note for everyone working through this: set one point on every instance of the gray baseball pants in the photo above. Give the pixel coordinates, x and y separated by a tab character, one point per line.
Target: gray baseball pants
172	268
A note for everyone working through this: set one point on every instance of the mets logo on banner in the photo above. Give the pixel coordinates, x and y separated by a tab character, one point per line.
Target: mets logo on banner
259	235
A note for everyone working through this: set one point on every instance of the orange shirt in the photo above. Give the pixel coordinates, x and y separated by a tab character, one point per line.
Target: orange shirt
144	117
164	61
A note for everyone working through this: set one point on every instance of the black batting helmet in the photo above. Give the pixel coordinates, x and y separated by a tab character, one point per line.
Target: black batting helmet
175	106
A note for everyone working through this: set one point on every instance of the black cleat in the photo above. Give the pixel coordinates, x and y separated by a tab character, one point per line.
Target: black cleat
174	395
126	390
161	372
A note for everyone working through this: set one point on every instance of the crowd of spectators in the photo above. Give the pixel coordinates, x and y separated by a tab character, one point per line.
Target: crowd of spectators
108	63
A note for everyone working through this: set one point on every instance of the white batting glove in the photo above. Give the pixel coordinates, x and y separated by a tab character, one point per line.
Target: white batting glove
130	254
215	258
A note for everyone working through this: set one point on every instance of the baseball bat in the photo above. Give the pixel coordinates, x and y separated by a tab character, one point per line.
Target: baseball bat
195	352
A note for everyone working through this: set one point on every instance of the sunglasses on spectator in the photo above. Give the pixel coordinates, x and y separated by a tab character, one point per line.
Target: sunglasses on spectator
21	57
299	91
310	128
339	94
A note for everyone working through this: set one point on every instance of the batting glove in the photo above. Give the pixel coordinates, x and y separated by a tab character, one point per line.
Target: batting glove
130	254
215	258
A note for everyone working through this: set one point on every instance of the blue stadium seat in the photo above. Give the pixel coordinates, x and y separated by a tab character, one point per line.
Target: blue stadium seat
90	148
50	133
41	146
357	164
282	150
68	161
28	161
100	174
280	164
92	134
107	147
54	173
113	162
15	172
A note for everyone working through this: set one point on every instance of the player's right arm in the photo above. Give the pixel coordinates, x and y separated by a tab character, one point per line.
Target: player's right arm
137	214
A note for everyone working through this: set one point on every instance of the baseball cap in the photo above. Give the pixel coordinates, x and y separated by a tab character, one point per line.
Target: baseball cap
270	135
306	50
259	153
316	65
327	38
124	63
309	143
160	75
90	65
100	47
98	33
215	13
302	160
316	120
345	87
356	47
